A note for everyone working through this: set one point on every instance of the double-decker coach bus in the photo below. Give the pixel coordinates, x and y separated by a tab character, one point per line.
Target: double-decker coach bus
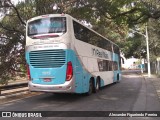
65	56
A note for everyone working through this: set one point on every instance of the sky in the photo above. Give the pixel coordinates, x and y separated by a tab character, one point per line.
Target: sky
15	1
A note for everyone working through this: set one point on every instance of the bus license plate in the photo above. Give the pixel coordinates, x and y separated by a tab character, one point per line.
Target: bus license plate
47	79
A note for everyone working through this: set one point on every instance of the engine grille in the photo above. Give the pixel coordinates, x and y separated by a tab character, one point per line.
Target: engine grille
47	58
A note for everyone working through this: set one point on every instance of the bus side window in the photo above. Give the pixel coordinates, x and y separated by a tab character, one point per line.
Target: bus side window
115	65
110	65
76	30
80	32
116	49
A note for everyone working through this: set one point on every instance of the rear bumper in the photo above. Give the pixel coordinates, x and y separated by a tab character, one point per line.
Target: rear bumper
67	87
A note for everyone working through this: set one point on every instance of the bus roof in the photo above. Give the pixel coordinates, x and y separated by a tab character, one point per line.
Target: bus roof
66	15
48	15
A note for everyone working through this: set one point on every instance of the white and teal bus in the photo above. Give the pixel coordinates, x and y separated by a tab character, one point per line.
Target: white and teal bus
65	56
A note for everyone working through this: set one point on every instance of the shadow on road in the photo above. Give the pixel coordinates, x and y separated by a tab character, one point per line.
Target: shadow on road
64	97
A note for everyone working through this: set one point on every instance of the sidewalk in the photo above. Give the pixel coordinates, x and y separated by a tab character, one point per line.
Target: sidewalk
156	82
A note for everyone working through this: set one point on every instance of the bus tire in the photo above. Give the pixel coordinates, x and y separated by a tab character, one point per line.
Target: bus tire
117	78
97	85
91	85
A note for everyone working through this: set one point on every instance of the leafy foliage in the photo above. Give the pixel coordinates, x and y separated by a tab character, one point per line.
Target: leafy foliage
12	43
135	46
110	18
154	38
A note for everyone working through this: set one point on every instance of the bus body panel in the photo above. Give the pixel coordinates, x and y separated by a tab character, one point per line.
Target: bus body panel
85	58
90	62
78	84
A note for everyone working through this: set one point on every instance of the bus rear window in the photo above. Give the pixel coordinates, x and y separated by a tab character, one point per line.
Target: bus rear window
47	25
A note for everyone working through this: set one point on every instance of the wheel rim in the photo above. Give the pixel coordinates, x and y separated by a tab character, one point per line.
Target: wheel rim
97	85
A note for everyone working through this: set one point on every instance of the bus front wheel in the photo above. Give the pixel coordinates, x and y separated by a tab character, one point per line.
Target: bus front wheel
117	78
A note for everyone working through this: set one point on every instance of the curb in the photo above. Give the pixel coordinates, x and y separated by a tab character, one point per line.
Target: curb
17	95
13	95
13	92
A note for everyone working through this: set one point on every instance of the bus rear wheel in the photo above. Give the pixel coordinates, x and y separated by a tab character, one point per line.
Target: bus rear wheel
97	86
90	91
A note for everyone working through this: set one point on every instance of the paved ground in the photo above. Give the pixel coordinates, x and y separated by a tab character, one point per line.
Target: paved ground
156	83
133	93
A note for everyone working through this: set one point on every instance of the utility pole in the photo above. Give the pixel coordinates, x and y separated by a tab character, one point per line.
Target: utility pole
148	60
147	44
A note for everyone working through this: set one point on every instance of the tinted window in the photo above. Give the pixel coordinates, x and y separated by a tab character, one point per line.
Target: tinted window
116	49
115	65
106	65
84	34
47	25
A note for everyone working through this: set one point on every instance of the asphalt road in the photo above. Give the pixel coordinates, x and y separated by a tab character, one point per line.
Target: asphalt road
133	93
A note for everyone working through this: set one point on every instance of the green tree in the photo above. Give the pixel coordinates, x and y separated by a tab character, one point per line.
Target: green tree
12	38
110	18
135	46
154	38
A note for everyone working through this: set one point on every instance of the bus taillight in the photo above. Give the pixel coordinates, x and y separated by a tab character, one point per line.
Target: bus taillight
28	73
69	72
